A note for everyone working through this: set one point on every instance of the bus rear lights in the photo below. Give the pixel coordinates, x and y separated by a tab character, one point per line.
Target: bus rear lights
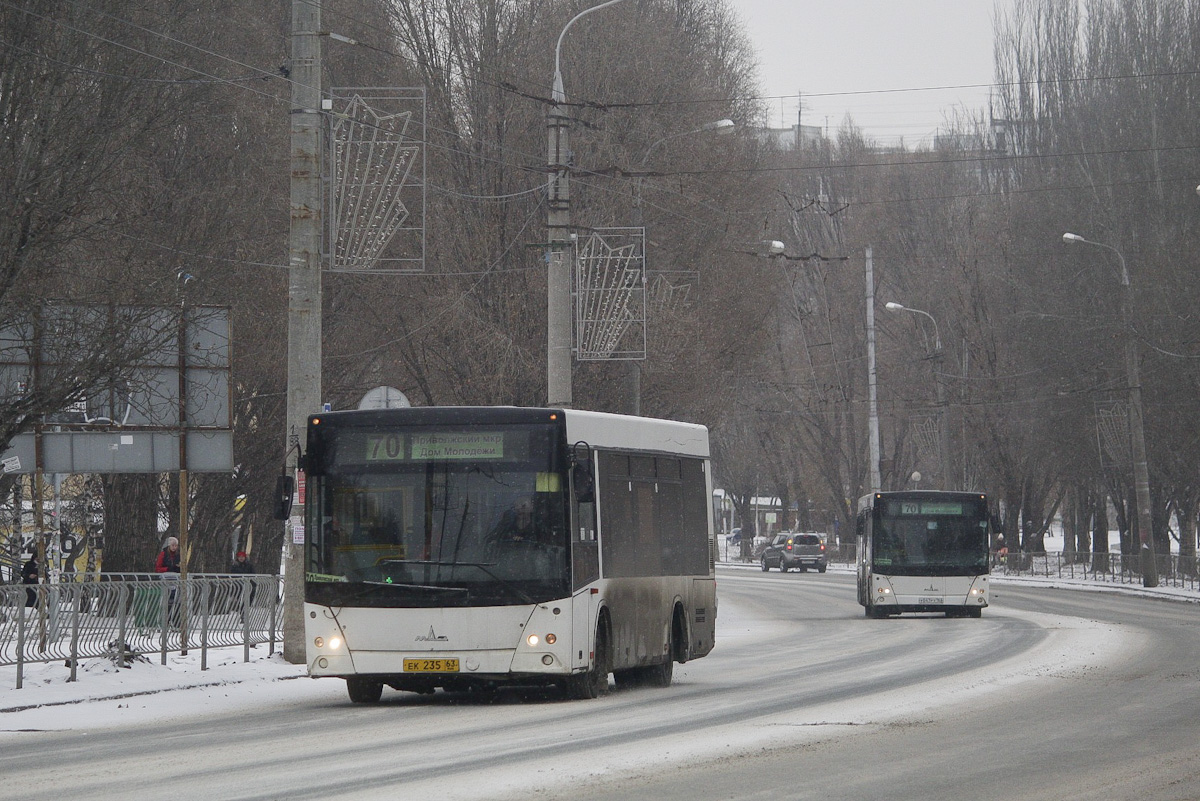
884	591
334	642
319	642
551	639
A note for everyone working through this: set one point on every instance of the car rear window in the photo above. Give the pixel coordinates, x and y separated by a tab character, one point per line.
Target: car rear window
808	539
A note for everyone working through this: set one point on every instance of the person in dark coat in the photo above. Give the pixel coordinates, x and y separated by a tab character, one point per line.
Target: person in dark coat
243	566
29	575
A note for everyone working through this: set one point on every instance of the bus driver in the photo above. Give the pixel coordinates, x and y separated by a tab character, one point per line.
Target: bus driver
515	525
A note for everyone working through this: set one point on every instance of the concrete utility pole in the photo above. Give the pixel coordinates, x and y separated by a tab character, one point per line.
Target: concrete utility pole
872	393
304	294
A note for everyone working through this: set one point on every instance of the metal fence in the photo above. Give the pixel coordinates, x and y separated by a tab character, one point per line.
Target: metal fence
1112	568
125	615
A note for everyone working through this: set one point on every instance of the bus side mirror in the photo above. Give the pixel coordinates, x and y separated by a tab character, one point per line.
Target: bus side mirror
581	472
584	485
285	486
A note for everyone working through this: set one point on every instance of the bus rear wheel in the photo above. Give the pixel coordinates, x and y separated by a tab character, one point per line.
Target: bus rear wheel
660	675
363	690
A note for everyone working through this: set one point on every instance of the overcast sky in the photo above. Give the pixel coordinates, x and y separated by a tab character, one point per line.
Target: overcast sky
830	51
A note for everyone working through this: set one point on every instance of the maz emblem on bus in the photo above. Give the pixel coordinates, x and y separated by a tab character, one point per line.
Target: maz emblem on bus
433	636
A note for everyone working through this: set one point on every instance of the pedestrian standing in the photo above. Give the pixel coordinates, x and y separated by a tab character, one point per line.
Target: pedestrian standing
243	566
168	566
29	575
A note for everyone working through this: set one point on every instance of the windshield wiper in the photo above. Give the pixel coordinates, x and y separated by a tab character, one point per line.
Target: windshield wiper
510	586
371	586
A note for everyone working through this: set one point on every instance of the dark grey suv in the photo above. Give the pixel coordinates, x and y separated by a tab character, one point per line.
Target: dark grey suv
800	551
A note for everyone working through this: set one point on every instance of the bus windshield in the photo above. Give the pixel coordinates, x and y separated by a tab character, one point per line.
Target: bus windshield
931	538
418	516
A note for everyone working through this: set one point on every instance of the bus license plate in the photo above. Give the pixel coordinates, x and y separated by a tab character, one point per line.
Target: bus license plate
930	600
430	665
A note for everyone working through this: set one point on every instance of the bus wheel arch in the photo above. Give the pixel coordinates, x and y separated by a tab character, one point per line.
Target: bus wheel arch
679	637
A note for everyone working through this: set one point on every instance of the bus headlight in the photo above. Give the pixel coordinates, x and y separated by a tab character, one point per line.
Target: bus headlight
533	640
335	643
551	639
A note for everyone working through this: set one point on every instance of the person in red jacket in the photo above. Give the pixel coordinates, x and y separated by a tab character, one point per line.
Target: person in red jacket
168	564
168	557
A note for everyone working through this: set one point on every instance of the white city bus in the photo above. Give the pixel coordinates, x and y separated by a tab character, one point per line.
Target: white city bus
923	551
468	547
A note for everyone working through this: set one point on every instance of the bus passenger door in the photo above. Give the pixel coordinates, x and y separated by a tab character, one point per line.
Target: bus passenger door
864	560
585	563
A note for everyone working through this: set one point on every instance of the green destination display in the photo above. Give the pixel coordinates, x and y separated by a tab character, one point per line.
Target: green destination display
391	447
931	508
468	445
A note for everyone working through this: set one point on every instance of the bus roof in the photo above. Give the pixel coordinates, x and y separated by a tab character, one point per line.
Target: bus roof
598	429
603	430
866	501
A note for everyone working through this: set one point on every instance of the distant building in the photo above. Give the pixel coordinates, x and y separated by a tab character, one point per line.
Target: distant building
793	138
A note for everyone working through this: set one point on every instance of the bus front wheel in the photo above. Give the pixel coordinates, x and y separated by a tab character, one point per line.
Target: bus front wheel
363	690
593	683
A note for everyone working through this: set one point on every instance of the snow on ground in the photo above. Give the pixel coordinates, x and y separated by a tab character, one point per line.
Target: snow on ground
105	695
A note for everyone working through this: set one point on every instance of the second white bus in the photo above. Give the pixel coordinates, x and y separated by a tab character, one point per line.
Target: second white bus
923	551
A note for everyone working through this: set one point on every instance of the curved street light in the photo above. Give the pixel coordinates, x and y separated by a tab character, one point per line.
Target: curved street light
943	422
558	226
937	337
1137	434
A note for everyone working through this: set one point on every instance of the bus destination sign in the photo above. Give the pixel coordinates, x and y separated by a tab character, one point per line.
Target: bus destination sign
931	508
472	445
440	446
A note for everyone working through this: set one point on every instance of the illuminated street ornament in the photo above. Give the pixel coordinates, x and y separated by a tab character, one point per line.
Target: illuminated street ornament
377	206
610	283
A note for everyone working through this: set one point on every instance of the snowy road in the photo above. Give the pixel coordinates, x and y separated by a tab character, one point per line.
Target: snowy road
1052	694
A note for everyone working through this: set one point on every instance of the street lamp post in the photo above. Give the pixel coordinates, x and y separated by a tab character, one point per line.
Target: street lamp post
943	421
1137	434
558	224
